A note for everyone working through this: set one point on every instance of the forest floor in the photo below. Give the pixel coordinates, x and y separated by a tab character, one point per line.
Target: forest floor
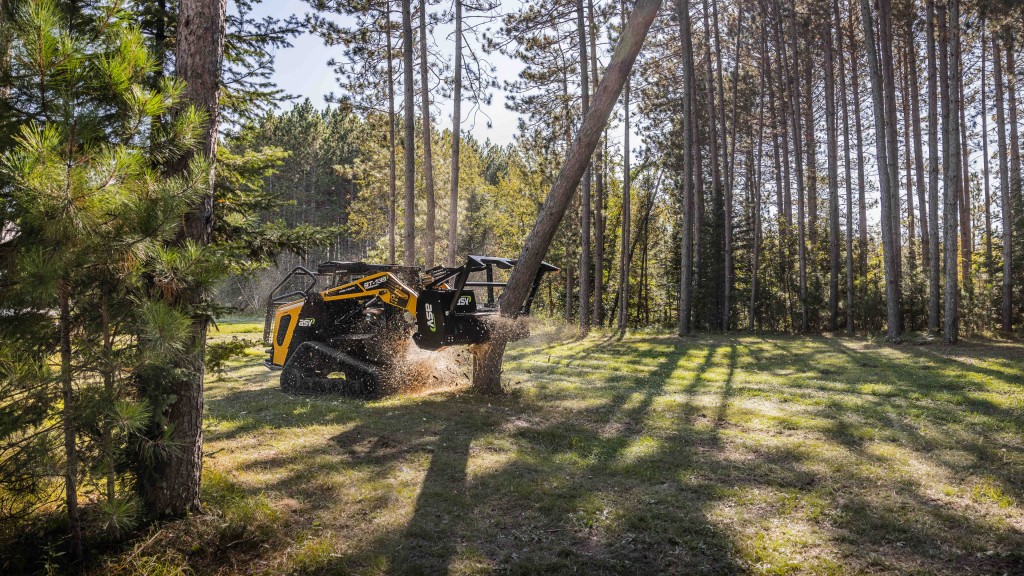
639	455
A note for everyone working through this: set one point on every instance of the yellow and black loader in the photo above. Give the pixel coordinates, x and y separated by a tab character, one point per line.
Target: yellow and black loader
347	326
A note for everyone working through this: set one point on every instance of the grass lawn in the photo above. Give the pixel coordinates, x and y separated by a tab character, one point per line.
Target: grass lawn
649	454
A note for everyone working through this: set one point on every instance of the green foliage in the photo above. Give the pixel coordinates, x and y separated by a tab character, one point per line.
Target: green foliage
218	354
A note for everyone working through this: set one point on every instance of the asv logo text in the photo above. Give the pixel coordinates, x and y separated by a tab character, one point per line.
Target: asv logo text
430	317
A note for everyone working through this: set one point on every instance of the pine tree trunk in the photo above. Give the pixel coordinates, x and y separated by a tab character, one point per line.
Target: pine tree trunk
1016	192
429	235
885	163
171	488
948	57
600	189
453	199
915	124
862	210
409	139
585	202
487	377
908	161
392	168
731	175
795	108
689	176
626	253
989	256
846	166
1006	205
888	62
833	183
934	269
70	434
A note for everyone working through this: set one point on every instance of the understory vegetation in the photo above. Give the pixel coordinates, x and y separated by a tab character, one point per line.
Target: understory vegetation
648	453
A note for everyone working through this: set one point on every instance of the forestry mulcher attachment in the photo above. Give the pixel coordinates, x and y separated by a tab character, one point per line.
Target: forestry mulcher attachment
348	326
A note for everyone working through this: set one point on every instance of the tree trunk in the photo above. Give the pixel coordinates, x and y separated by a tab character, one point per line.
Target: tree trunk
487	361
584	302
731	174
888	61
392	119
862	209
915	124
989	256
846	167
429	240
934	269
948	58
1016	193
68	416
627	181
172	489
409	139
794	94
453	199
1006	205
689	177
885	164
600	188
908	160
833	182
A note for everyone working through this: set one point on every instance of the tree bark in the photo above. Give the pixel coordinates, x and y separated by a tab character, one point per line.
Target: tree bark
429	240
885	164
948	58
392	119
70	433
598	317
989	256
487	376
453	199
409	139
627	181
934	269
1006	204
833	182
172	488
585	279
846	167
689	203
915	112
794	94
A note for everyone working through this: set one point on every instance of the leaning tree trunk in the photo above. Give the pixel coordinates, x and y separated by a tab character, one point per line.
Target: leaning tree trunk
171	487
488	357
453	199
409	140
429	240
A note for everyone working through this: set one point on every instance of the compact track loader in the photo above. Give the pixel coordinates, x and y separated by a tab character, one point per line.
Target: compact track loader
348	326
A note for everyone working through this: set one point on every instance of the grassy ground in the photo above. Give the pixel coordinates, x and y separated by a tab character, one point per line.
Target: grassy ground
649	454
